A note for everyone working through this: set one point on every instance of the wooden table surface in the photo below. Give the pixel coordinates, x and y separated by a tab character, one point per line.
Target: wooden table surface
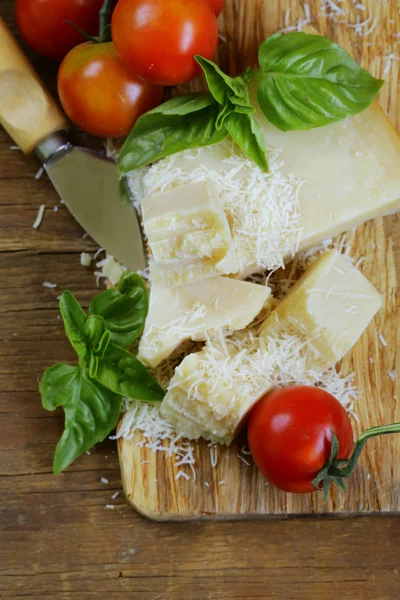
57	538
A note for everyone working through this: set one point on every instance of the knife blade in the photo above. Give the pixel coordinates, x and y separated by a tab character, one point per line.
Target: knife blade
88	184
86	180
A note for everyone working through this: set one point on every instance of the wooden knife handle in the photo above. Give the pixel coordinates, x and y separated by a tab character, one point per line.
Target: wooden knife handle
27	111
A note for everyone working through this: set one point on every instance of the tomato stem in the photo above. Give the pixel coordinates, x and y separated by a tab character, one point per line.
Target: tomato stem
336	470
104	25
378	430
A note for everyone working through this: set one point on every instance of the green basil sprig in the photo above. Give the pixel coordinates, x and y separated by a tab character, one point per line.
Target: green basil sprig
236	111
304	81
123	309
178	124
308	81
91	392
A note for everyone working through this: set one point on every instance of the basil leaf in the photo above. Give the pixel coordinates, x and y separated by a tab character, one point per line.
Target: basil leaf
223	87
308	81
98	352
123	374
94	329
124	310
236	111
248	135
74	322
181	123
91	411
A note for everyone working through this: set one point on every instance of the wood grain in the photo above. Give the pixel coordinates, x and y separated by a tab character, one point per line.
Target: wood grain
235	490
57	539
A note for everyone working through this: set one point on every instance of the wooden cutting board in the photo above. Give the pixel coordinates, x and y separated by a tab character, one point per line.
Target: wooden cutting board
233	489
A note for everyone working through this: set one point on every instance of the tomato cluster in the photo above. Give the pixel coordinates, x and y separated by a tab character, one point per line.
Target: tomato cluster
105	86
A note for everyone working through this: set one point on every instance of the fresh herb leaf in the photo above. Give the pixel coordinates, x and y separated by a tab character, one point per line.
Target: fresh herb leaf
236	110
122	373
124	309
248	135
178	124
91	392
308	81
223	87
74	323
91	411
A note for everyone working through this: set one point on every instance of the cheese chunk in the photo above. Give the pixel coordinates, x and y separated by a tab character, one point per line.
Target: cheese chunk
193	312
331	305
320	319
188	234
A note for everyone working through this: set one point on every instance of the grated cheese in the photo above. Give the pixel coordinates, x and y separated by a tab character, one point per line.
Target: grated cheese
115	496
158	435
262	208
246	462
39	217
392	375
39	173
214	456
104	480
181	474
300	23
382	340
47	284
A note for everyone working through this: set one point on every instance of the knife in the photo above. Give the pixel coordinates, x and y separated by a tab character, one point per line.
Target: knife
87	181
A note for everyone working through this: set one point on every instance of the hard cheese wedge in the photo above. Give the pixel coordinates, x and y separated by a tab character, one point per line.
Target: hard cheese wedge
350	170
195	311
331	305
188	234
349	173
320	319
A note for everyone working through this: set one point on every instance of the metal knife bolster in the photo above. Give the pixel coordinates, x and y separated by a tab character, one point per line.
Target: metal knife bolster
52	147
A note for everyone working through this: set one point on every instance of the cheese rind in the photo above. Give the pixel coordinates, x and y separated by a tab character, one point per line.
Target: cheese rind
188	234
195	312
213	390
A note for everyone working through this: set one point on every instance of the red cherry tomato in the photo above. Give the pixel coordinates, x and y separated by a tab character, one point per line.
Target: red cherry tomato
289	433
157	39
98	92
42	24
217	6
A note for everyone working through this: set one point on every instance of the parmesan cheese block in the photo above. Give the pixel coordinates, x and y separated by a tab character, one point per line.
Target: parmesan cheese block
320	319
188	234
350	170
195	312
321	182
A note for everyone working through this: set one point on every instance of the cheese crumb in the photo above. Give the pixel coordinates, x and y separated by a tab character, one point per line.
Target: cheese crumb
382	340
86	259
246	462
110	506
104	480
39	217
47	284
181	474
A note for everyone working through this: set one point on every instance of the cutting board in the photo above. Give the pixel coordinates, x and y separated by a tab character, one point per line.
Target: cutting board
236	490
